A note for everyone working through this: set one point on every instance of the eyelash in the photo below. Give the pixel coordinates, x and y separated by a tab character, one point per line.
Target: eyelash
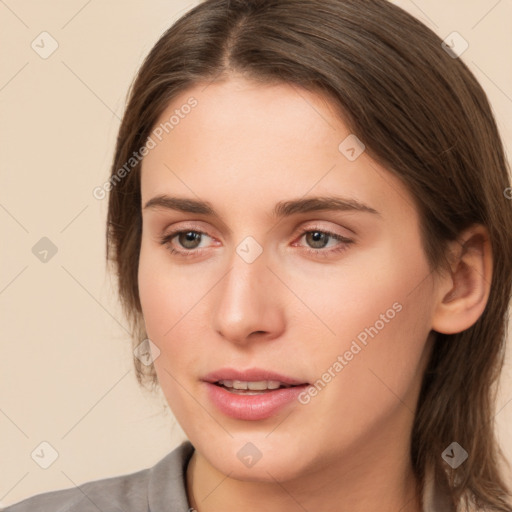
164	240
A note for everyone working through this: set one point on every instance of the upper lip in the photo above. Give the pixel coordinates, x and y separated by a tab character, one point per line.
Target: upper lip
249	375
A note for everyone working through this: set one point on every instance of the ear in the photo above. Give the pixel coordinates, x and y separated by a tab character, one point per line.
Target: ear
464	289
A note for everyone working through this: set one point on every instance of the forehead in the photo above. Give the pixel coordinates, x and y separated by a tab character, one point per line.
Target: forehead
238	113
244	142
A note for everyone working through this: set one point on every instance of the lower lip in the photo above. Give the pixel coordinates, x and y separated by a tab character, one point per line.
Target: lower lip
252	407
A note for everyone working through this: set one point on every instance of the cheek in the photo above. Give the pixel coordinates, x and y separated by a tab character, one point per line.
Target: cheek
167	292
365	289
162	303
379	310
173	298
165	302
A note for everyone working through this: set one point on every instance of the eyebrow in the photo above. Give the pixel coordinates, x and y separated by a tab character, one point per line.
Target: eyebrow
281	209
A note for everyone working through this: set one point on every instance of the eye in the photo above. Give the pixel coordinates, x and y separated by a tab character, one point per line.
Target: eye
324	243
317	239
188	242
189	239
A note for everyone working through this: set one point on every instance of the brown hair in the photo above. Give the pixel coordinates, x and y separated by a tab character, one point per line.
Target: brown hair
421	114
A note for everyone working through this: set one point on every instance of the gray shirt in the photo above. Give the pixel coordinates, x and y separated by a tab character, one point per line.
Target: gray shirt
157	489
161	488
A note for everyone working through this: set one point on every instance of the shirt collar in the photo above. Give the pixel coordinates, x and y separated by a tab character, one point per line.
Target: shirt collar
167	481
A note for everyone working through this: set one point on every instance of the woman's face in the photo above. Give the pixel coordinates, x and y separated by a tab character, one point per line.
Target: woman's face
338	298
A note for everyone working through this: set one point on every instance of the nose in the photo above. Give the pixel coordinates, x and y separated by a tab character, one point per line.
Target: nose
248	305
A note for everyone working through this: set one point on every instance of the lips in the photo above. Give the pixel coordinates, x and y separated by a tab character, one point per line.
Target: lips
251	404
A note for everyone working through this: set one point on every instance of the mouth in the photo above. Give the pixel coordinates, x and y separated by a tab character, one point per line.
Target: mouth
251	395
251	381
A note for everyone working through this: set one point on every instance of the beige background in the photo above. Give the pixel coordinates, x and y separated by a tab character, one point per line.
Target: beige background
66	369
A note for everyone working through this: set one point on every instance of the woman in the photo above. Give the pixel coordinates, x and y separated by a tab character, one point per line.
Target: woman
308	221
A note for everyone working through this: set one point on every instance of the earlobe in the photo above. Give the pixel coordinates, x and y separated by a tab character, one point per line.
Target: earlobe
464	290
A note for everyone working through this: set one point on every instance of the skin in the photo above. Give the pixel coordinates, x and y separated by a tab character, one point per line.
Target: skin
244	148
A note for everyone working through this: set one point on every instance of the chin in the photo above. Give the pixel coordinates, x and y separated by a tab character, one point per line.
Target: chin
255	459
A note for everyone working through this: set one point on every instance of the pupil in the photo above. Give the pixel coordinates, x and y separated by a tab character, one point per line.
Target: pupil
317	239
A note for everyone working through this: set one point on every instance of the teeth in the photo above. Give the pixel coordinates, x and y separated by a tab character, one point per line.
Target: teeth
239	384
254	386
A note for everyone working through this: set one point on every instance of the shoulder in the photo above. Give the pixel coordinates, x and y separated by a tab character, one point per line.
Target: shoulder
119	493
145	490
